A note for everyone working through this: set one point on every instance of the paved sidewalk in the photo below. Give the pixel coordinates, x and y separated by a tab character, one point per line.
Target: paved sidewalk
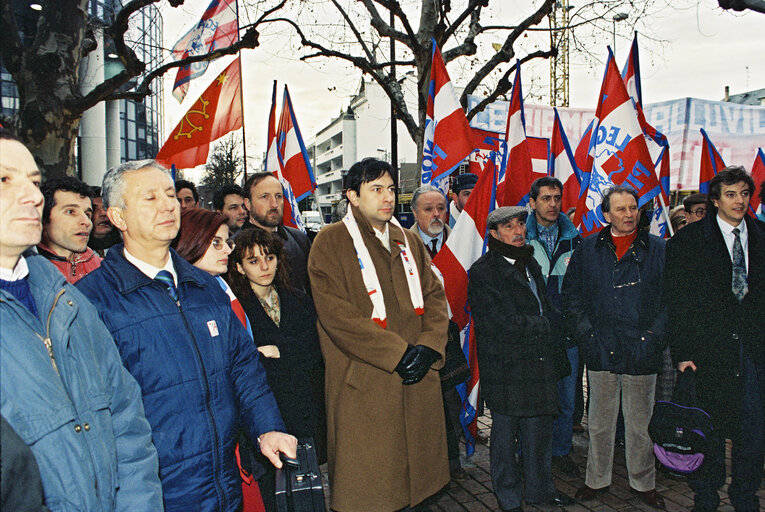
474	494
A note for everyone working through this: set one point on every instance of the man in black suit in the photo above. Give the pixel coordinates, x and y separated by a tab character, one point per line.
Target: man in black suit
715	291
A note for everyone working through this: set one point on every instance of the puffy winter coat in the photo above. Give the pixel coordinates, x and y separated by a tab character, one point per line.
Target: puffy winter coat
83	418
198	370
520	361
614	306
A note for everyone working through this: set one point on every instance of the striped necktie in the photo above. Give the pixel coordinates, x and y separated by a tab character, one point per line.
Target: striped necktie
166	278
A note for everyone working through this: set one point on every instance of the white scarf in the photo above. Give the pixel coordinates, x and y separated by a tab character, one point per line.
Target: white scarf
369	273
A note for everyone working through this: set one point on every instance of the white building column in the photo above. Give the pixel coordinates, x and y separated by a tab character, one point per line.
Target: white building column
92	152
113	145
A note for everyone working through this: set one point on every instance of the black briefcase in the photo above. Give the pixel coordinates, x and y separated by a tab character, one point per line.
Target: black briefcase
298	483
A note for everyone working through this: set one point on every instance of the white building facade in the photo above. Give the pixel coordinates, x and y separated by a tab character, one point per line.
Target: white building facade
362	131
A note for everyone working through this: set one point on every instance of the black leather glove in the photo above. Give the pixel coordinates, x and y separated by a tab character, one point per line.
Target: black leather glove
423	360
404	367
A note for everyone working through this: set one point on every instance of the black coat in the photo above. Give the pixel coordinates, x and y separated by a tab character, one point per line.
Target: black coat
519	358
707	325
614	306
298	343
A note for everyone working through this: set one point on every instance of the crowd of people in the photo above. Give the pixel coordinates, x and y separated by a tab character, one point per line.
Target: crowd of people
160	356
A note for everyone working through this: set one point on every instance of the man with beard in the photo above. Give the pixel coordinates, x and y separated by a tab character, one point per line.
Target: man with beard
428	208
264	198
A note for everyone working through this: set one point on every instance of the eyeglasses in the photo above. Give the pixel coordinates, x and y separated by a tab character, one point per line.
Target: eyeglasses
218	242
699	212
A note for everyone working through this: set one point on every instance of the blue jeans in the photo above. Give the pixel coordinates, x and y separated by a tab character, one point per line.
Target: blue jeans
747	452
563	423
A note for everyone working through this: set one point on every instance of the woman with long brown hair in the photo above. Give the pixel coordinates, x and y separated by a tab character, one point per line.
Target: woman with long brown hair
285	322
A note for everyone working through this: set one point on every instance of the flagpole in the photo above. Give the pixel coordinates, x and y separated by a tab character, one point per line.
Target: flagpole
241	97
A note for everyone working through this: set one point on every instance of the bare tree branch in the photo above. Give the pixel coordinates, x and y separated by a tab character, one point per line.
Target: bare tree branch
504	84
507	52
11	48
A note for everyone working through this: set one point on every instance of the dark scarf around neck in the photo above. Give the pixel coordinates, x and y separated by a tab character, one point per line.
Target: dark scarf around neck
521	255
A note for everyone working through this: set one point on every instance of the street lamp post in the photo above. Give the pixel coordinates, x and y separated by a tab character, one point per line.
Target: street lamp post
619	16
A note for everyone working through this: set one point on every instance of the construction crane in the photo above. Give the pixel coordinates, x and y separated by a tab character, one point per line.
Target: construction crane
559	63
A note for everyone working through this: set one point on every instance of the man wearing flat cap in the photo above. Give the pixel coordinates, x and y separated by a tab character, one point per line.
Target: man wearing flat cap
461	190
521	361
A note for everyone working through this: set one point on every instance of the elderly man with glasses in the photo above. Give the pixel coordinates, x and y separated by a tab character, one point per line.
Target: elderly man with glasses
612	299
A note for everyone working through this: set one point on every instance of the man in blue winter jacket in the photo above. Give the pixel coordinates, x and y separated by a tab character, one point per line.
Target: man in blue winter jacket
174	327
554	238
63	388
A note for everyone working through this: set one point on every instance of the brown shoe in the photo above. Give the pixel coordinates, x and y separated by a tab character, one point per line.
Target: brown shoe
651	498
586	493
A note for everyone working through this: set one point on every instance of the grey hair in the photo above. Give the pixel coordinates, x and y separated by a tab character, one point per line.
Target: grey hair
113	185
605	203
421	190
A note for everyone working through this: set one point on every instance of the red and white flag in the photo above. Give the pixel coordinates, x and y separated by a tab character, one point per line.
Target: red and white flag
618	154
563	166
217	28
517	166
448	137
466	243
296	165
274	164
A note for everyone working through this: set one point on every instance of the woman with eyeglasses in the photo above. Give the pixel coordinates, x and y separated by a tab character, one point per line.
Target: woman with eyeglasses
285	322
203	241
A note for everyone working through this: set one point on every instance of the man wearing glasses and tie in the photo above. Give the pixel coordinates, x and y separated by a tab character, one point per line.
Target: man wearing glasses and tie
612	301
715	289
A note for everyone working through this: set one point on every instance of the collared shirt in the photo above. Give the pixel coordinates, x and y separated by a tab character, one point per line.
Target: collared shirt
548	236
730	238
427	239
384	236
20	271
150	270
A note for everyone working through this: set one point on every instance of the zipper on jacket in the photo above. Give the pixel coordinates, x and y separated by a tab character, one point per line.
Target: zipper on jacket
208	406
46	340
49	347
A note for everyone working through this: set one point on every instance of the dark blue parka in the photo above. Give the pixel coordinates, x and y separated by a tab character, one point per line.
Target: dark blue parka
199	374
614	306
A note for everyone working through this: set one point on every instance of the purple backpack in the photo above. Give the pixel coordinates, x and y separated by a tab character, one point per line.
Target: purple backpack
679	429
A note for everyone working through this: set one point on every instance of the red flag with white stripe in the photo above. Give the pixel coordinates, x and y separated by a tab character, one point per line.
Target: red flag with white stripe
758	175
466	243
563	165
618	154
448	138
517	165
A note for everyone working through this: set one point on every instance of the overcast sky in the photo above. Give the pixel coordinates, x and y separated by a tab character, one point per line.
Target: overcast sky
702	49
